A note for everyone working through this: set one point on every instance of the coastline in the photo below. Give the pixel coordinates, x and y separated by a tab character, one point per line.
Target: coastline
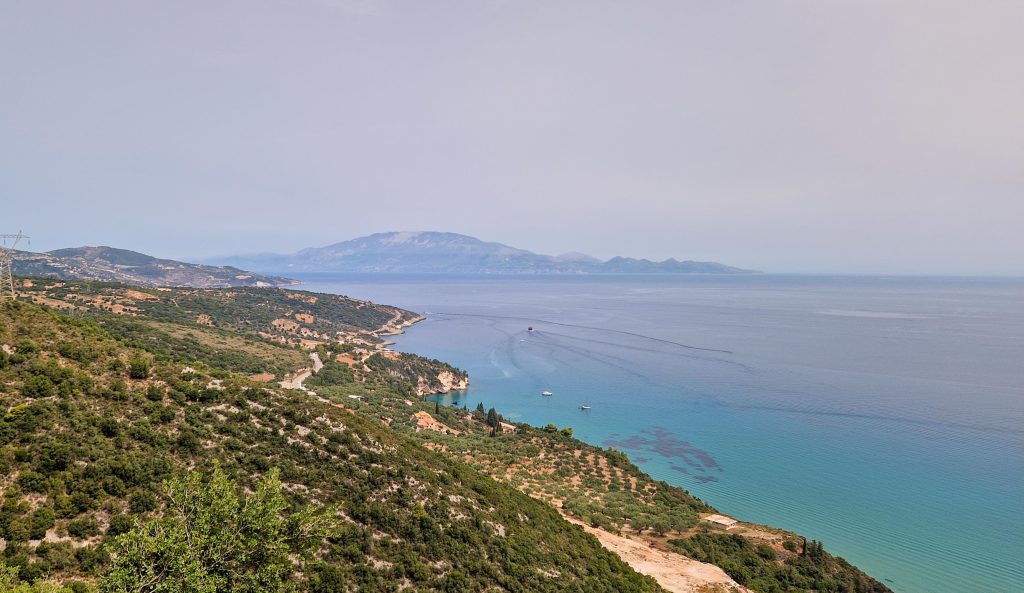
427	373
796	486
392	329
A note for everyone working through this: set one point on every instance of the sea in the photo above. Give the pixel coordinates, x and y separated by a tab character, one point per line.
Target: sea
883	416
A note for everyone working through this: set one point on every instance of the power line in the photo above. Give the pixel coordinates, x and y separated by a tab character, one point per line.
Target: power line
6	259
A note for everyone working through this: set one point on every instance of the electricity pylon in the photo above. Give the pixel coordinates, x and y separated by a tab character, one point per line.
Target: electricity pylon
6	257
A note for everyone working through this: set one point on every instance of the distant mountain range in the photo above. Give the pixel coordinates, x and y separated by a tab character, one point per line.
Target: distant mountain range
130	267
451	253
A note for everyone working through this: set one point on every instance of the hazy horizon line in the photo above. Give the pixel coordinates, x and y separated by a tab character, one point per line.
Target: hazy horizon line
206	259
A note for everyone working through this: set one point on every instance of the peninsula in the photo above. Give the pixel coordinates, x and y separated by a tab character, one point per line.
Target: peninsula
131	267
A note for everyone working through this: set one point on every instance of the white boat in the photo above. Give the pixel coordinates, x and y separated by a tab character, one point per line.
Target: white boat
546	393
584	407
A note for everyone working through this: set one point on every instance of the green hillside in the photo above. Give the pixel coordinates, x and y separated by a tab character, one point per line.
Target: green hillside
244	330
111	394
241	309
603	488
92	428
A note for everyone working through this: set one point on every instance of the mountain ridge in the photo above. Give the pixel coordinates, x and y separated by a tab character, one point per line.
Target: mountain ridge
453	253
131	267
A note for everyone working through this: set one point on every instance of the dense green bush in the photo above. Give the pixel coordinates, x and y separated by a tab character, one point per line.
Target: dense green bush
120	524
83	527
139	368
39	386
43	519
54	457
32	481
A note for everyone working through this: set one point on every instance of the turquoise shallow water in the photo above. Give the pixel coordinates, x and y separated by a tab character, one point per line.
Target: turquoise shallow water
883	416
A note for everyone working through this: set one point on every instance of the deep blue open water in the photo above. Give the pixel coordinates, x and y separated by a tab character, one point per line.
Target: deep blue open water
883	416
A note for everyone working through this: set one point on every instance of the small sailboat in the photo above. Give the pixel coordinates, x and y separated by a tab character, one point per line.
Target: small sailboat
546	393
584	407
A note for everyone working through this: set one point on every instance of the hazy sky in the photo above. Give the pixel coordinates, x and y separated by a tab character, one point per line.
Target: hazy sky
809	136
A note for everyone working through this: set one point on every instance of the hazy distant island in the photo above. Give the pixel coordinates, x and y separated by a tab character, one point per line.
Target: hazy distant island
131	267
428	252
395	252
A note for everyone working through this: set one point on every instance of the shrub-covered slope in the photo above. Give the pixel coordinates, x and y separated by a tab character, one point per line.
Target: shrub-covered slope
247	330
91	427
603	488
119	366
